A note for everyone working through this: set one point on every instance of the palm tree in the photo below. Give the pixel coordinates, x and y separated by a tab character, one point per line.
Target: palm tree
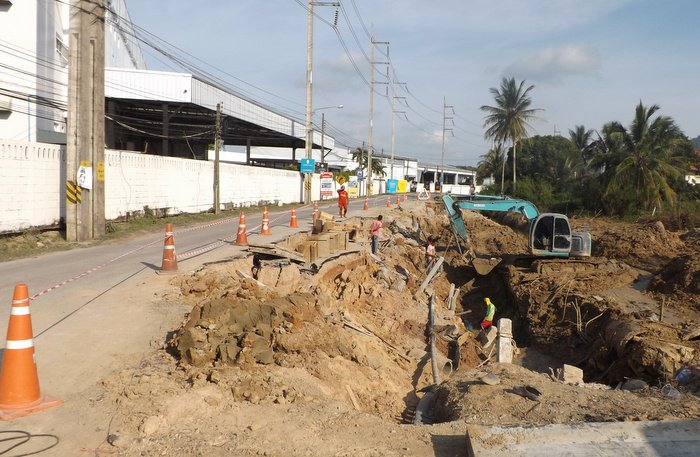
492	162
508	119
582	139
653	156
359	155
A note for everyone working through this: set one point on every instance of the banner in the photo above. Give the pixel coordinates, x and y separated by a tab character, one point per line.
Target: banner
403	186
391	185
326	184
353	187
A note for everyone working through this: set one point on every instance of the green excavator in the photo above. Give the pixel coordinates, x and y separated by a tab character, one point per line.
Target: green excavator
549	234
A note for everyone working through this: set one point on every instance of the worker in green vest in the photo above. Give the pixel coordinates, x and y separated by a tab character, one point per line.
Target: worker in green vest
490	311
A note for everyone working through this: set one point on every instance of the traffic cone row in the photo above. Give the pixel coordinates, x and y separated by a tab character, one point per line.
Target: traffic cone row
169	264
265	230
241	236
293	221
19	382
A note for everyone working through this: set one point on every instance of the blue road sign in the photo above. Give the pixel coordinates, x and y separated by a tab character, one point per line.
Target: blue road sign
306	166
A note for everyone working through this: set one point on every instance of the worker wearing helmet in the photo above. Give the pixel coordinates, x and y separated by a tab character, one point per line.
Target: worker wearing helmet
490	311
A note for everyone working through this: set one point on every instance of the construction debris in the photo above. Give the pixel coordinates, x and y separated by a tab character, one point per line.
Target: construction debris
320	341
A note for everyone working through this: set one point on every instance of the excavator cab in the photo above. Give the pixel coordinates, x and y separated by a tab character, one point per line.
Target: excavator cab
550	235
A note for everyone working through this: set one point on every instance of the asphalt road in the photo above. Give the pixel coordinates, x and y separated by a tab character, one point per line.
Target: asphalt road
92	283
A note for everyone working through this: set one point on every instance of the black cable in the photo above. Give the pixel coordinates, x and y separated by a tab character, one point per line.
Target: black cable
26	437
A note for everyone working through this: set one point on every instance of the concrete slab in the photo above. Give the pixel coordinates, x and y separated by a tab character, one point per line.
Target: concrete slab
619	439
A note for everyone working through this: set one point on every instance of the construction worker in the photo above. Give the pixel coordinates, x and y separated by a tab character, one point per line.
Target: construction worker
374	233
343	201
490	311
429	254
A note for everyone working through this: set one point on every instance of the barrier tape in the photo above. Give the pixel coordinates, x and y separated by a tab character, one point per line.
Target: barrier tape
183	256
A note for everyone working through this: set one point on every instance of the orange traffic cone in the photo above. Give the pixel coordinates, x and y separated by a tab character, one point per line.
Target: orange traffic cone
366	207
388	202
169	264
315	215
241	237
405	197
19	381
265	230
293	221
398	200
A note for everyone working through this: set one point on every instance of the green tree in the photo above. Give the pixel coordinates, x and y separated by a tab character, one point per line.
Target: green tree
492	164
582	139
508	118
360	156
655	155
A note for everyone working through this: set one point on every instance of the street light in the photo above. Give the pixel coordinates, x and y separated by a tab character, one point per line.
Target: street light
323	126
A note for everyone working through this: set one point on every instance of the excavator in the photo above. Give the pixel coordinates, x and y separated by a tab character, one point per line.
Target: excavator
549	234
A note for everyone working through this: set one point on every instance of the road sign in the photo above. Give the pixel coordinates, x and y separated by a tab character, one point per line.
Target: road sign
360	175
306	166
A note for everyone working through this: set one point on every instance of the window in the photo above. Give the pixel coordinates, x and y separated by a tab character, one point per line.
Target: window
62	49
562	234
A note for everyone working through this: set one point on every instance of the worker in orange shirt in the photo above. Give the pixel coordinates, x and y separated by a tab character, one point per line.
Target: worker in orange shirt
343	201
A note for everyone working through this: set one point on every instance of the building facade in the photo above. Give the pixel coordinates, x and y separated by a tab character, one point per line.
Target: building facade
34	55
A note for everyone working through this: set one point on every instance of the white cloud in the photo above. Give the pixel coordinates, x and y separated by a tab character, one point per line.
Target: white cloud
554	64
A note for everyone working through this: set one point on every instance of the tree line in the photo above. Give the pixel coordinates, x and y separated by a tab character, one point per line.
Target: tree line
617	170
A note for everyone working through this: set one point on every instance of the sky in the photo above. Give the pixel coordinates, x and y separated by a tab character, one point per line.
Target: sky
590	62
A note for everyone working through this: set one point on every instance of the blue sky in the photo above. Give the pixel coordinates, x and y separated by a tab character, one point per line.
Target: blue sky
591	61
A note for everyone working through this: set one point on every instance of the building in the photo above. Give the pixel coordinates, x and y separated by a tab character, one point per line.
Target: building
34	40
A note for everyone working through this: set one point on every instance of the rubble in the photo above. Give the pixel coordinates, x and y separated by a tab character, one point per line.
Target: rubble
317	326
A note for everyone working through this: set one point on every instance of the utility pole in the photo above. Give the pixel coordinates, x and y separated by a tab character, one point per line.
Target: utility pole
85	139
393	122
217	146
309	89
309	95
372	62
445	118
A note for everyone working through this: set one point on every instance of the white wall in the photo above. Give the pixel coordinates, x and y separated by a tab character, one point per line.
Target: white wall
34	179
134	180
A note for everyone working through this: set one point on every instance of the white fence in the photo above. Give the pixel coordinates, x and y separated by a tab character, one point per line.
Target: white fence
34	178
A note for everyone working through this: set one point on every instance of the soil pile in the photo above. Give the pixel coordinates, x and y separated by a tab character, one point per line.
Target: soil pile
468	398
645	246
278	358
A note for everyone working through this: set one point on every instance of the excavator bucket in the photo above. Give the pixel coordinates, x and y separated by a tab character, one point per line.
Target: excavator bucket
484	266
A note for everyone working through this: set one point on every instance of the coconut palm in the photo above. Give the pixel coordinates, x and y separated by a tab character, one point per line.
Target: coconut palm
582	139
508	119
653	156
493	162
359	155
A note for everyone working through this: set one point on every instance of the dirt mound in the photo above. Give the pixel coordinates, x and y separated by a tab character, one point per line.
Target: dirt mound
680	281
491	238
645	246
466	397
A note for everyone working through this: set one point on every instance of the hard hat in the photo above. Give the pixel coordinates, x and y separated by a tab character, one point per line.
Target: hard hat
487	300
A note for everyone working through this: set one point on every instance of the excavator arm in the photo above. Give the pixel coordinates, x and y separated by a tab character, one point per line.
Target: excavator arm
549	234
485	203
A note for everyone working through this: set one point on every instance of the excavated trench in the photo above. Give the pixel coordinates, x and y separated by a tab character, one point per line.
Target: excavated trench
354	328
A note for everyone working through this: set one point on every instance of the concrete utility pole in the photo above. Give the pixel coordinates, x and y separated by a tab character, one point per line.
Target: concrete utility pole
445	106
372	62
309	89
217	148
85	138
393	123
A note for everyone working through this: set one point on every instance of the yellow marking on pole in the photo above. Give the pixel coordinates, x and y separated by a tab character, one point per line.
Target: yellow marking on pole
72	193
